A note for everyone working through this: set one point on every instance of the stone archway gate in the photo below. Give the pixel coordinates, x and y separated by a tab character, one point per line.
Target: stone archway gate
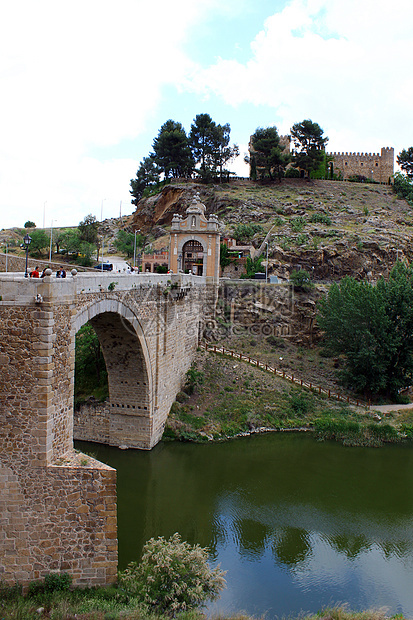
57	507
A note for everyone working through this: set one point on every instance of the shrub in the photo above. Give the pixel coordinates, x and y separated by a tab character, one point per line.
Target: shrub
301	239
292	173
53	582
320	218
194	378
384	432
301	279
403	187
173	576
297	223
301	403
243	233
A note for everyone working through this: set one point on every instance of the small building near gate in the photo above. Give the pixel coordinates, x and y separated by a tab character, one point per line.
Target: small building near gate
194	243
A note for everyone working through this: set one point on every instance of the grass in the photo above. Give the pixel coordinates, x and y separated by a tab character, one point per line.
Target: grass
236	398
113	603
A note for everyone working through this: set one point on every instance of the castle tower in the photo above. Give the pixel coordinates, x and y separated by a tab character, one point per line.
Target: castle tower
194	243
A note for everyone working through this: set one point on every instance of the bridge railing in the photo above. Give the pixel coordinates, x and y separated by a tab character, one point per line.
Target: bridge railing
284	375
14	287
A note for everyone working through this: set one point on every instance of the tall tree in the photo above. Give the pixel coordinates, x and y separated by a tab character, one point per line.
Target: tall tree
268	154
70	241
309	144
372	326
171	151
146	176
405	161
201	140
40	241
223	153
88	232
210	144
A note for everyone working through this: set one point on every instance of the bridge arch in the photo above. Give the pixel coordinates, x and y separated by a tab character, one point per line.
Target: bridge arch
129	410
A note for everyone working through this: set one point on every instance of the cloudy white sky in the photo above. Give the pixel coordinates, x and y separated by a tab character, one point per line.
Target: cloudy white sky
85	86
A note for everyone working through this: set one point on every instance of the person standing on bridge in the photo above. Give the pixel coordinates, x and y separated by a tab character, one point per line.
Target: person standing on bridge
35	273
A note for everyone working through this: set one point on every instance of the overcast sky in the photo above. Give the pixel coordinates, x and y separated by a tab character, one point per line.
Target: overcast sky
86	85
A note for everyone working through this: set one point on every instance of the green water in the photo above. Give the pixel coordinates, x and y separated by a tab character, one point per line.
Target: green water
298	524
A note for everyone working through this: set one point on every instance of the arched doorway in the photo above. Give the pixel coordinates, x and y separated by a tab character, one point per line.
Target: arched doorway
193	257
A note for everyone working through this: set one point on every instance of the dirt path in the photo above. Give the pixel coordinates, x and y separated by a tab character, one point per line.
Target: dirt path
388	408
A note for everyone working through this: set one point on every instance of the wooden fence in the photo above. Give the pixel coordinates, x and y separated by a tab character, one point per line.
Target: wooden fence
284	375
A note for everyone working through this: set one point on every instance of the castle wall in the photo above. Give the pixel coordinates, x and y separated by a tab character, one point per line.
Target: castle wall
376	166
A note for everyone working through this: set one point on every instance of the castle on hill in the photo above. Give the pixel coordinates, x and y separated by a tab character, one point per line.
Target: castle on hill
378	167
375	166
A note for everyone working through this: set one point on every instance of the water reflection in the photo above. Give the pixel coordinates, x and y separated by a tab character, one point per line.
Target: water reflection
298	524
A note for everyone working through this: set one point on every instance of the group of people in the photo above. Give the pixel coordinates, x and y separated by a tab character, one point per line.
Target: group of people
35	273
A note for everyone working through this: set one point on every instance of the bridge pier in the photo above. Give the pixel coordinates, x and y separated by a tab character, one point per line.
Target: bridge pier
58	507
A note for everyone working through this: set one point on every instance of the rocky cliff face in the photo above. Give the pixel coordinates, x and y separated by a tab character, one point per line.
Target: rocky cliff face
329	228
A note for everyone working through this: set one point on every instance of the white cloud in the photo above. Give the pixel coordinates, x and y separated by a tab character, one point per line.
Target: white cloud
346	65
76	76
84	75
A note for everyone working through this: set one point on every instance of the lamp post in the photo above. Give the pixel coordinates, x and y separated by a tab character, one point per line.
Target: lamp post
134	248
51	240
27	241
266	265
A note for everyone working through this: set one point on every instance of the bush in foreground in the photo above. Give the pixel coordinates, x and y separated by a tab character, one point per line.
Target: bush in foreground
173	576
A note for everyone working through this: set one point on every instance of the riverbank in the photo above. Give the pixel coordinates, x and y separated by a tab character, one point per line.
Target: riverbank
226	398
113	603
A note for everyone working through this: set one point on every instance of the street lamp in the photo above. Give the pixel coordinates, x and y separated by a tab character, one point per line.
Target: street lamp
134	248
51	240
27	241
266	265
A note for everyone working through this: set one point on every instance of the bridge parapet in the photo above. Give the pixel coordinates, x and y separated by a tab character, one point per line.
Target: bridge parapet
16	287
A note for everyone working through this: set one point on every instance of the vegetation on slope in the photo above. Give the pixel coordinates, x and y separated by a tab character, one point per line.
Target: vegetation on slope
225	398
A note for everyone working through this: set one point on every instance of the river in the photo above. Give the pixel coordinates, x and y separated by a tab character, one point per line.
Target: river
298	524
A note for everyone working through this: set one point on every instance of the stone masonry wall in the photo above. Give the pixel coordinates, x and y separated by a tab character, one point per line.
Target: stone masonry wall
17	264
256	308
58	507
55	513
376	166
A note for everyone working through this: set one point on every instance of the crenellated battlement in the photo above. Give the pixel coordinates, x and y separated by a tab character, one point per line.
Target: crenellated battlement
354	154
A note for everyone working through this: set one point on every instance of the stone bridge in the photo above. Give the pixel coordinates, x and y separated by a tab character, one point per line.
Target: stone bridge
58	507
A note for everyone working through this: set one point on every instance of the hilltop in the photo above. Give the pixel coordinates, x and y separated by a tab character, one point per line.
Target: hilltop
331	228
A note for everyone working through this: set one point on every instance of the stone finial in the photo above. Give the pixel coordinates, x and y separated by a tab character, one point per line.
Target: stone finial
74	272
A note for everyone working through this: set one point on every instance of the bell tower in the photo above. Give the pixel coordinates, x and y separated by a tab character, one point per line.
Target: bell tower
194	243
